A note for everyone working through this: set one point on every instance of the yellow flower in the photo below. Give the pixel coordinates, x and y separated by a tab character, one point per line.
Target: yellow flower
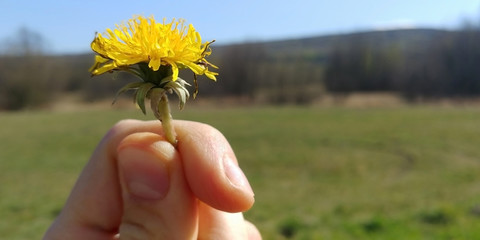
154	52
144	41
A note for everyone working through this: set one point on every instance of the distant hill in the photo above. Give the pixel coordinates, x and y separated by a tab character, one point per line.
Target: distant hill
321	45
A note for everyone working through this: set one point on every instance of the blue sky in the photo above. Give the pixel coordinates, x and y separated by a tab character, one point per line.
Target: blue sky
69	25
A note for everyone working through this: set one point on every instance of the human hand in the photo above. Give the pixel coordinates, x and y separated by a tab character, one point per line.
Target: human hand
138	185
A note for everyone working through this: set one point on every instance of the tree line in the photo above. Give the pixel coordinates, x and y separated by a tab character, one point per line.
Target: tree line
414	63
446	66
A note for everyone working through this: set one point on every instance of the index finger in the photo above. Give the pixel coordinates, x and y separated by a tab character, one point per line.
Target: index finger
211	167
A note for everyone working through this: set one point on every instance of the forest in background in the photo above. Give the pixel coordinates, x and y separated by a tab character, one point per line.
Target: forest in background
414	63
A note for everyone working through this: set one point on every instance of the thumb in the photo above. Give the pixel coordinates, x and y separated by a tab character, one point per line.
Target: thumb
157	202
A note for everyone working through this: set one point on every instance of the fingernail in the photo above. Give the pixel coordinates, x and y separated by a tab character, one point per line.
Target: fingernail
235	175
145	176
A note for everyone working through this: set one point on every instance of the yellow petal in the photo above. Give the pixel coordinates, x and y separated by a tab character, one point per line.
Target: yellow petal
197	69
174	70
154	64
99	60
104	68
211	75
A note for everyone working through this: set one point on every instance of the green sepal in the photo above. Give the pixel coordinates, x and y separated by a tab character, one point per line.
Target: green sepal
178	87
136	72
130	86
141	94
163	83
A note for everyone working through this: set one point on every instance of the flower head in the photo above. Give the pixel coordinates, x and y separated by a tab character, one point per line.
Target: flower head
154	52
143	40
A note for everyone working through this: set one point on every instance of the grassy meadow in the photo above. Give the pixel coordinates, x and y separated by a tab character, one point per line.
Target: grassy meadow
318	173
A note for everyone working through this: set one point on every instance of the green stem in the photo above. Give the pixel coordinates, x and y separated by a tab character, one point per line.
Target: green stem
166	119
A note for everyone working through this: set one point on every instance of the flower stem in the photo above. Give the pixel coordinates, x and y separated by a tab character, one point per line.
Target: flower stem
166	119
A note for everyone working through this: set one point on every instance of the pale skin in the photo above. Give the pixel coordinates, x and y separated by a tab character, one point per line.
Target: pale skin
140	186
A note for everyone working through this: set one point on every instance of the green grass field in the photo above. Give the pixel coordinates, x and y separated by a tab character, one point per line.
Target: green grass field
327	173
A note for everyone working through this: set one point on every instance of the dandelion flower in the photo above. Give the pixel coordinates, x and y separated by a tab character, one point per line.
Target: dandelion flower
154	52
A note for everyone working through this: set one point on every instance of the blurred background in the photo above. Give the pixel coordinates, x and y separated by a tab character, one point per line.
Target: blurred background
267	52
362	115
